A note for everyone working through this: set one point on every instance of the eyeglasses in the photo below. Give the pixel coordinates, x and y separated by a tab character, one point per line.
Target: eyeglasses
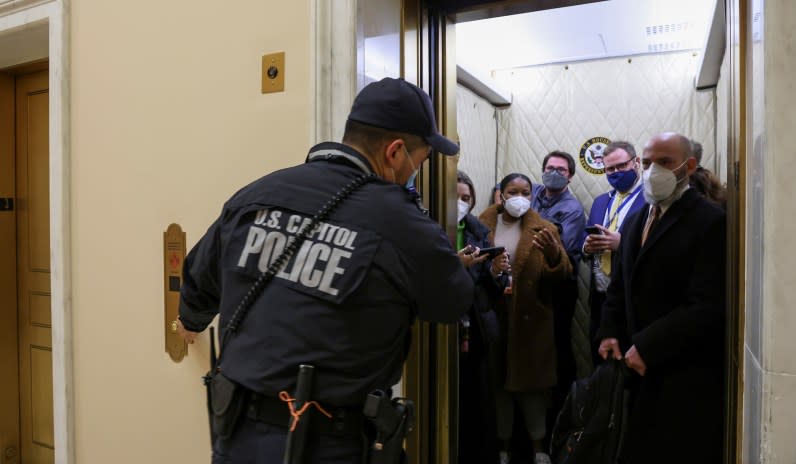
619	167
561	170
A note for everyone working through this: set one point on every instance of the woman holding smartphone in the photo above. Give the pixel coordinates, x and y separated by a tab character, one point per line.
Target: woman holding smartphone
536	258
478	333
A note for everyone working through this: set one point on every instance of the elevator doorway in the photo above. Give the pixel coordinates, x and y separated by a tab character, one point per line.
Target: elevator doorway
424	52
730	166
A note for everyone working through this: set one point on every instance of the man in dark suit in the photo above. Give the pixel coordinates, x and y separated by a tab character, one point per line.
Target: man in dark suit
608	213
665	311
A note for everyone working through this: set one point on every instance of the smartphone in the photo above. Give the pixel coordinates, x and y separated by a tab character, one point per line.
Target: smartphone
493	252
593	230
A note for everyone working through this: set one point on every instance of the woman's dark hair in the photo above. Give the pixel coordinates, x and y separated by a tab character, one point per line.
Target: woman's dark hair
514	175
463	178
709	185
696	149
505	183
496	188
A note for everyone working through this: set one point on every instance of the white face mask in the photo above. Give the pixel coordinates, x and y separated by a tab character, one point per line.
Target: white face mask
464	208
659	183
517	206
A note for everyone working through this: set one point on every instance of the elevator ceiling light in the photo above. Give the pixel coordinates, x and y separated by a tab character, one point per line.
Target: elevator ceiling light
584	32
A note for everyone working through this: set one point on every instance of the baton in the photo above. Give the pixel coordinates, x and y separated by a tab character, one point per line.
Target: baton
207	378
297	439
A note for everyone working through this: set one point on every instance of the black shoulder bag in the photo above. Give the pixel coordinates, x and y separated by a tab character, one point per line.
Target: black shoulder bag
226	400
590	426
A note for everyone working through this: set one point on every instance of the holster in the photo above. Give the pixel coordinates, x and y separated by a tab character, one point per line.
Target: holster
392	420
226	402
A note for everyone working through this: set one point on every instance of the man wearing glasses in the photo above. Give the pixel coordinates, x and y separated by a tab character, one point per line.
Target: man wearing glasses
608	213
555	203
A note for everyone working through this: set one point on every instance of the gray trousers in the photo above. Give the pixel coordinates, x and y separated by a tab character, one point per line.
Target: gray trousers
534	410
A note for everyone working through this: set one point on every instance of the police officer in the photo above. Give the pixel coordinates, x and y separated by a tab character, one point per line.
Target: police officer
346	300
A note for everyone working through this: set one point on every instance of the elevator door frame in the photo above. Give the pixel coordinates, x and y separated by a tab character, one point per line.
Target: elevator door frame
440	183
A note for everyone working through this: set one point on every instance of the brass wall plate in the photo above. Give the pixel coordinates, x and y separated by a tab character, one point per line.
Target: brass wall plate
173	258
273	72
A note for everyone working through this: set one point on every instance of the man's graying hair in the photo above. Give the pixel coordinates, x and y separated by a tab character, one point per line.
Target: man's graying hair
686	146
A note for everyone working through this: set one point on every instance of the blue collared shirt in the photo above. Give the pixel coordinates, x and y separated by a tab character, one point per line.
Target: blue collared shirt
565	210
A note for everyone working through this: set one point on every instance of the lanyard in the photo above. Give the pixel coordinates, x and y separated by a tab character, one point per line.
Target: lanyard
626	202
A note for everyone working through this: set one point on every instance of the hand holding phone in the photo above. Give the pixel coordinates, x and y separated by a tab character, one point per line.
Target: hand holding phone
492	252
594	230
468	250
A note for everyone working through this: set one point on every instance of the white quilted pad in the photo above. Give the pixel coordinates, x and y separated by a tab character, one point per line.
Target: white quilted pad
561	106
478	138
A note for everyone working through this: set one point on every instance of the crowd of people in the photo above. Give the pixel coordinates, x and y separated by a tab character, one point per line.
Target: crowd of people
663	312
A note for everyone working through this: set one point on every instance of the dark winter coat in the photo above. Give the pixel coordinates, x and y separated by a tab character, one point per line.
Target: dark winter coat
478	365
488	290
667	298
527	315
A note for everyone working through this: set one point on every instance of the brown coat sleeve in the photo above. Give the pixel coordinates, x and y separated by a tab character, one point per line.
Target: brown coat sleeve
560	268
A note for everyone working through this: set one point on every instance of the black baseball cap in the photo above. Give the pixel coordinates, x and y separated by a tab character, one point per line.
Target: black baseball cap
395	104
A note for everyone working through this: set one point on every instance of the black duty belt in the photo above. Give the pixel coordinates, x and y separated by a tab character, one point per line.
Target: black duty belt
345	422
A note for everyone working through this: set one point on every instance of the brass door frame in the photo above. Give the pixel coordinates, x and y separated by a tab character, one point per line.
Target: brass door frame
447	347
417	368
431	368
738	23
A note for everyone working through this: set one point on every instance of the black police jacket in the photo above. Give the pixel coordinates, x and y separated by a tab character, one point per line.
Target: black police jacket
346	300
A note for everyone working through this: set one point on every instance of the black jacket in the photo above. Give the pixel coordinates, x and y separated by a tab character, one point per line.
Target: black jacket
347	299
668	299
484	328
487	288
478	367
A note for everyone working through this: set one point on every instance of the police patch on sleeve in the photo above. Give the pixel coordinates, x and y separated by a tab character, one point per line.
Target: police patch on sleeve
329	264
591	154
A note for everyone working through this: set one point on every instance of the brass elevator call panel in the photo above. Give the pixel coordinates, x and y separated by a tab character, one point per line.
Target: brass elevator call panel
273	73
173	257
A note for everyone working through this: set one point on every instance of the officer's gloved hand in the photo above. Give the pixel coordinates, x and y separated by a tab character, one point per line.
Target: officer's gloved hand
186	334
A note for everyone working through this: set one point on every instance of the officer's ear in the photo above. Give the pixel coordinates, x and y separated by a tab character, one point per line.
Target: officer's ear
394	153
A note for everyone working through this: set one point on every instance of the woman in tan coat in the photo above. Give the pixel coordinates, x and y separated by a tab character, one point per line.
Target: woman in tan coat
537	259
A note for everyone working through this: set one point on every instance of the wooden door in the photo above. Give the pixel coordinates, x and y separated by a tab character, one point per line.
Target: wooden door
9	343
33	269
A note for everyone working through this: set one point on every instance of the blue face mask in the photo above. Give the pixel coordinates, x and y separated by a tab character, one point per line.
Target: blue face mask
623	180
410	183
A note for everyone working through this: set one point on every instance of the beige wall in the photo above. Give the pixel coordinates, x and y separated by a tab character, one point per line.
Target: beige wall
167	122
